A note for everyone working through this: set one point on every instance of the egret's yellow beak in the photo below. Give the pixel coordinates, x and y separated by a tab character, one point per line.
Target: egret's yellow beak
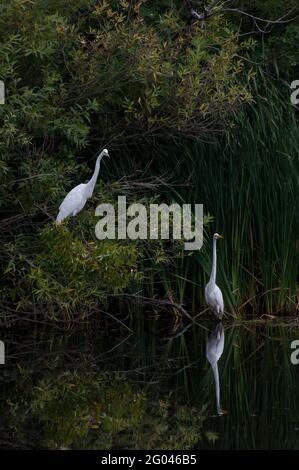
108	155
220	237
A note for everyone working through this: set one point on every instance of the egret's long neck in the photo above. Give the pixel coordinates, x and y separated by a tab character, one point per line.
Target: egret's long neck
214	265
91	183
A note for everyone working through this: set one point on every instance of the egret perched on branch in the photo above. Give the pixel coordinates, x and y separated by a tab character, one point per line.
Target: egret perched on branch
213	294
76	199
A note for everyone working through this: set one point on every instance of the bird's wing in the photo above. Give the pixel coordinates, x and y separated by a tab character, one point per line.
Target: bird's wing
210	295
72	201
208	290
74	196
219	298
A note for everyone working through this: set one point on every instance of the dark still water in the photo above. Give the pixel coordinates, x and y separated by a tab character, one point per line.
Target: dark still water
152	385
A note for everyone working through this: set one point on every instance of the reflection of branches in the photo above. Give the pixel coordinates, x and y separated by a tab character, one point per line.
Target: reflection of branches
117	320
114	347
178	333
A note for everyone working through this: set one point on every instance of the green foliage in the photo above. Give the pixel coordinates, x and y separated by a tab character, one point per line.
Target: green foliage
70	273
66	276
59	66
81	74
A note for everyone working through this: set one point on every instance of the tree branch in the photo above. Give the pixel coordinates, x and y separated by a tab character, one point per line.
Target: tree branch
217	7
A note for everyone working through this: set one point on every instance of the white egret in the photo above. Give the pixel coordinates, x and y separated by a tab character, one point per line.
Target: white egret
214	350
76	199
213	294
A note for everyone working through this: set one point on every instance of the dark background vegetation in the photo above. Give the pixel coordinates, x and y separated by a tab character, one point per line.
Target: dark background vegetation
192	100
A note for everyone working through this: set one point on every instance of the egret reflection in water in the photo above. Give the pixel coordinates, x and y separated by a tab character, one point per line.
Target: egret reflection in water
214	350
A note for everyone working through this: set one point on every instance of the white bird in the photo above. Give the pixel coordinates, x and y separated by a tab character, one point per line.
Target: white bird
213	294
76	199
214	350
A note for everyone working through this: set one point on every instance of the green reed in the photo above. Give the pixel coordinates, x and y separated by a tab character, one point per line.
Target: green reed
247	179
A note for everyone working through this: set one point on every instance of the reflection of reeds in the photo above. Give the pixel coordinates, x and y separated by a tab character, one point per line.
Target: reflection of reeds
259	388
259	385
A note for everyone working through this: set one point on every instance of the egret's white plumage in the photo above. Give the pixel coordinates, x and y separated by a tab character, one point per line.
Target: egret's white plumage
213	294
214	350
76	199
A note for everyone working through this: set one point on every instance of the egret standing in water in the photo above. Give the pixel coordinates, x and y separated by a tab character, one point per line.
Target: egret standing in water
76	199
213	294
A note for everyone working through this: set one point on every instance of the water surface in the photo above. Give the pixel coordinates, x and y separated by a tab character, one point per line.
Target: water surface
132	384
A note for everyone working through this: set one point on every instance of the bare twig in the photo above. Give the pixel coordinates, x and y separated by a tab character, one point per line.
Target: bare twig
219	7
161	303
